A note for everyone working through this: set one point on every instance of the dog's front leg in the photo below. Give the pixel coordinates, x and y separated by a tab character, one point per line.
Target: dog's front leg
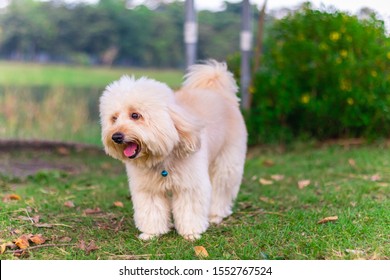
151	213
190	210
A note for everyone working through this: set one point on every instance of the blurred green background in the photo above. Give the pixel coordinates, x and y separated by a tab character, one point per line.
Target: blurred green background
323	73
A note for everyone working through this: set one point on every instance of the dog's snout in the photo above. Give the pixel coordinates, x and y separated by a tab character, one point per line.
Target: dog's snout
118	137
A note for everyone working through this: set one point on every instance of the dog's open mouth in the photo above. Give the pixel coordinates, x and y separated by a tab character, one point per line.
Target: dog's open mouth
132	149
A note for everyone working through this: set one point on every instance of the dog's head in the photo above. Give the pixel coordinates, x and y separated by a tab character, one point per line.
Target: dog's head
142	123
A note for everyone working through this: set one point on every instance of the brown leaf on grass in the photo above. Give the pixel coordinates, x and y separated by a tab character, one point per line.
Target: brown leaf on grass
201	252
9	197
37	239
69	204
328	219
268	162
3	247
303	184
7	245
14	231
265	181
94	211
87	248
277	177
22	242
267	200
119	225
352	162
21	254
375	177
36	219
63	151
118	204
65	239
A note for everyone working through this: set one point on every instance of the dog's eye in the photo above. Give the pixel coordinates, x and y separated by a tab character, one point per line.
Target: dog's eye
135	116
114	118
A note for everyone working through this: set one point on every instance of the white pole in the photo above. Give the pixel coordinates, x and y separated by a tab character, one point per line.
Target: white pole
246	47
190	32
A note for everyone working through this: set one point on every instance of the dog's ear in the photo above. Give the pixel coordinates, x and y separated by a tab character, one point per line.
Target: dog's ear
188	128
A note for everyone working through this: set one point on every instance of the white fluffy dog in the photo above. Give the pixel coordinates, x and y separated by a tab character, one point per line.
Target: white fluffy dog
184	151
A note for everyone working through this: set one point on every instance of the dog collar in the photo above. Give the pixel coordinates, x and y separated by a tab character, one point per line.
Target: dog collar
164	173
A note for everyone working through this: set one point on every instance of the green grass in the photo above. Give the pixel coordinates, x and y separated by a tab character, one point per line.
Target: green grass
28	75
275	221
57	102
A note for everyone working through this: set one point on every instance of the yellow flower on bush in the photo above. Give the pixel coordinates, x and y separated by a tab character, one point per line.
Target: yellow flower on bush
345	85
343	53
388	55
374	73
350	101
323	46
305	98
334	36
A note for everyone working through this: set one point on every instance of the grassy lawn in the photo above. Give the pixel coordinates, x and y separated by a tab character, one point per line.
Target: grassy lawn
77	207
25	74
58	102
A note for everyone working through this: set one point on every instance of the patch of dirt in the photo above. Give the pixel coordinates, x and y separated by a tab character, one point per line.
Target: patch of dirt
23	158
21	169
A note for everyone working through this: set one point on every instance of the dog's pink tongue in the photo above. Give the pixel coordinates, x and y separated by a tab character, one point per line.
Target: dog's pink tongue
130	149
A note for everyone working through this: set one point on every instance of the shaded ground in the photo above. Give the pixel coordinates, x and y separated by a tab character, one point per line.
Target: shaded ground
23	158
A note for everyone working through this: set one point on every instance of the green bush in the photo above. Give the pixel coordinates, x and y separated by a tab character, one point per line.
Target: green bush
324	74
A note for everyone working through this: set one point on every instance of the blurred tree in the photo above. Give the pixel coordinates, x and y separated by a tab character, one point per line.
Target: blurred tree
26	31
112	31
324	74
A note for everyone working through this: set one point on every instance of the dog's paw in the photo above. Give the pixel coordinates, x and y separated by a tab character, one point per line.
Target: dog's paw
147	236
191	237
215	219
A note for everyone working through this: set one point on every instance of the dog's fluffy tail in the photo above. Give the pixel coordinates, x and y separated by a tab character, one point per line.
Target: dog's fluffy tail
212	75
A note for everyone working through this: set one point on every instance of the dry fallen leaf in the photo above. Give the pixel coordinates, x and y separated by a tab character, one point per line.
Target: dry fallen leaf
22	241
65	239
303	184
265	181
268	162
201	252
37	239
21	254
118	204
69	204
9	197
3	248
277	177
89	211
352	162
328	219
267	200
63	151
14	231
375	177
87	248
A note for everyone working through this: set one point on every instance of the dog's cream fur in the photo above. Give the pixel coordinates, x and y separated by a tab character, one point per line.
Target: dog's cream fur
197	134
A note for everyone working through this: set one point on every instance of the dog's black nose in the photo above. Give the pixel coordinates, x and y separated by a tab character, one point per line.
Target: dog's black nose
118	137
